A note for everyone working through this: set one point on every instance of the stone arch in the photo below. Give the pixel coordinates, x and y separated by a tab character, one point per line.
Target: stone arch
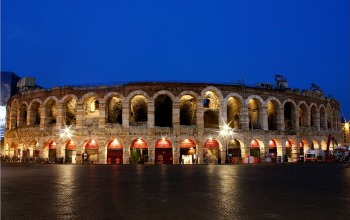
188	108
50	105
91	148
69	109
139	151
34	112
114	149
314	115
314	144
257	149
111	94
163	108
90	106
138	110
303	119
323	145
289	109
14	113
273	106
23	113
255	111
234	104
114	107
323	118
137	92
212	104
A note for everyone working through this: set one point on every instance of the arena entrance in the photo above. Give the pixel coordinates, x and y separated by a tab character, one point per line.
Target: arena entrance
91	149
71	153
272	154
234	151
211	152
114	152
163	152
255	151
52	152
139	152
188	152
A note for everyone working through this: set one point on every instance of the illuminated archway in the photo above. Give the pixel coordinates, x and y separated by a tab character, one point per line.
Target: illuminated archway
163	152
187	152
211	152
70	155
234	151
255	150
272	150
114	152
52	151
91	149
139	152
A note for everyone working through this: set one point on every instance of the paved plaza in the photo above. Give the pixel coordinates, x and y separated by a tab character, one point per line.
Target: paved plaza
246	191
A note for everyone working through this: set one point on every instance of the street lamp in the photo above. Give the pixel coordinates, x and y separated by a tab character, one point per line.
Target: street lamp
226	132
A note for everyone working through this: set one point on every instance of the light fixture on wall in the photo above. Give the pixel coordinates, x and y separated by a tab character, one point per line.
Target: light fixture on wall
226	132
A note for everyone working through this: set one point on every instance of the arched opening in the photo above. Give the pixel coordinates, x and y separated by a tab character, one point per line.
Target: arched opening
114	109
163	111
138	111
91	108
301	151
91	149
289	118
114	152
14	153
314	117
253	113
272	110
323	123
163	152
188	152
22	115
52	152
51	112
329	117
188	106
211	152
34	118
211	104
14	112
139	152
255	150
70	111
234	151
233	112
303	117
272	151
70	155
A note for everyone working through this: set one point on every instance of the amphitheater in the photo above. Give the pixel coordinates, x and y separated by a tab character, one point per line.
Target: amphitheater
168	123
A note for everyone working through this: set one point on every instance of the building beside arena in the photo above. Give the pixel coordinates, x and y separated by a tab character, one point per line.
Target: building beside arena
169	123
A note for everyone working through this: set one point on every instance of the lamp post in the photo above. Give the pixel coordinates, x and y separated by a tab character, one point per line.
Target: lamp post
226	132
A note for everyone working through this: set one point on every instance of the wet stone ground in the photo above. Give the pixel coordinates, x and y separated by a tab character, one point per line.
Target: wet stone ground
248	191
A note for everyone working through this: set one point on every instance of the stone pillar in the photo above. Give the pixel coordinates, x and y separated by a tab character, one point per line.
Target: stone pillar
296	121
199	116
28	119
150	117
307	118
176	118
223	113
280	119
61	113
43	118
243	118
316	121
125	117
102	115
80	115
263	118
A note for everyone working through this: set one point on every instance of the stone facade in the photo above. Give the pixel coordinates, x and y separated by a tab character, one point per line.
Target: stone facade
284	123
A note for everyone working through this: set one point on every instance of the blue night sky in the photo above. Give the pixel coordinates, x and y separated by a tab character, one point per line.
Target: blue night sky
64	42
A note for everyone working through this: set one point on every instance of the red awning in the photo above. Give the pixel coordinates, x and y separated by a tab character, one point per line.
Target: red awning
187	143
139	143
163	143
254	143
114	144
272	143
52	145
70	145
92	144
211	144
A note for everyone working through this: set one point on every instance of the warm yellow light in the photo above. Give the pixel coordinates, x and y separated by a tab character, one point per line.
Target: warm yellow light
93	141
346	126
